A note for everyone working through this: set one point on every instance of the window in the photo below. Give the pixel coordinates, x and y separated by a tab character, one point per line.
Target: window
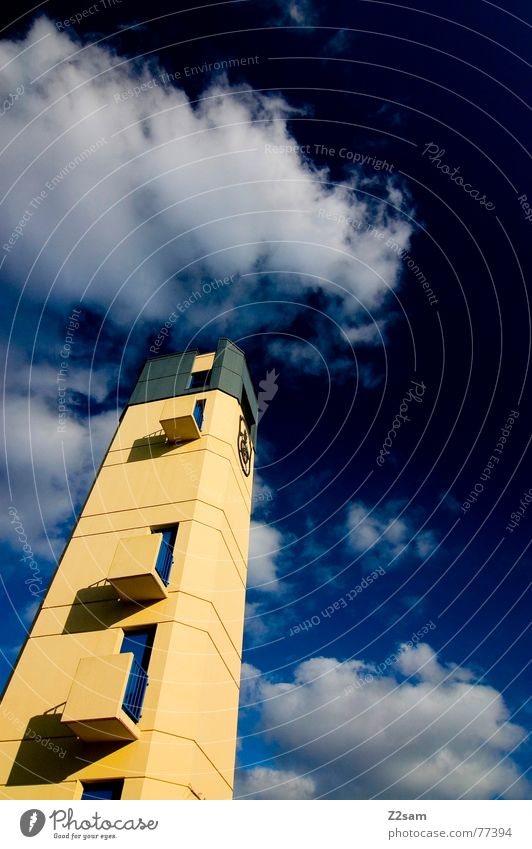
199	412
199	380
140	643
166	552
103	789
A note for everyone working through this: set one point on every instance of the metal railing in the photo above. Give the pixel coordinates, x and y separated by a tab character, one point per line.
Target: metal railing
164	562
135	691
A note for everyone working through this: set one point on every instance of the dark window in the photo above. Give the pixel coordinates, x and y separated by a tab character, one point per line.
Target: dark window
199	380
166	552
103	789
140	643
199	412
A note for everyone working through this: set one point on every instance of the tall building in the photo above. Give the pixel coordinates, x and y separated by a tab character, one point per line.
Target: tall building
128	684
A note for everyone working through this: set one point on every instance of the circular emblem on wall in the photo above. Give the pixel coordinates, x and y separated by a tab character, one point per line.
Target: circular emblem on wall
244	446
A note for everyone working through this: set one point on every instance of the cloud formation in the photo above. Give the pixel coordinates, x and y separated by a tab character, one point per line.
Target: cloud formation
424	730
120	195
51	465
141	185
265	545
386	533
266	783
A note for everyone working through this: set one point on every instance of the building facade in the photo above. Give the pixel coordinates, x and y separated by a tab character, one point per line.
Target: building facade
128	684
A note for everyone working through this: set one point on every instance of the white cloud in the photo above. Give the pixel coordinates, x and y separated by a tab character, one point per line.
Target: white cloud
264	621
254	625
380	531
437	734
206	179
94	383
328	356
266	783
28	613
292	12
300	355
172	184
250	684
265	546
421	662
262	498
366	334
341	42
50	472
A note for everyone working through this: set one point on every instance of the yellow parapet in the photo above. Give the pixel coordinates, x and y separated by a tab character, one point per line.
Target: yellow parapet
94	709
133	571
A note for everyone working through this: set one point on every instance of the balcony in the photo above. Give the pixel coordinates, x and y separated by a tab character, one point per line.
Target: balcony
180	420
141	567
105	700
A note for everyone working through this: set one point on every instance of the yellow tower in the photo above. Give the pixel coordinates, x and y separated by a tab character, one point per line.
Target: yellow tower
128	684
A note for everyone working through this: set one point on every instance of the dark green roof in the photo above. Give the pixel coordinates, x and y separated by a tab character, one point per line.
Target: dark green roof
168	376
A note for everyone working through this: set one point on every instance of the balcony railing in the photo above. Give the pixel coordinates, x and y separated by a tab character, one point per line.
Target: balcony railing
135	691
164	562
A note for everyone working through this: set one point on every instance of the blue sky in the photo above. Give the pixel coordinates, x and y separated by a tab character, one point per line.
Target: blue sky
308	206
